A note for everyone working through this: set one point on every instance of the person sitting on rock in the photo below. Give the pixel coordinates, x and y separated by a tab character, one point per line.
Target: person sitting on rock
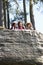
20	25
13	26
29	26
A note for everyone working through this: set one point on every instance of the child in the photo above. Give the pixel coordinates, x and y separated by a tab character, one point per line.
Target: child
29	26
20	25
13	26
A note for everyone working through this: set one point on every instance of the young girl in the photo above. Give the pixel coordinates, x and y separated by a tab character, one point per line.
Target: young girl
13	26
29	26
20	25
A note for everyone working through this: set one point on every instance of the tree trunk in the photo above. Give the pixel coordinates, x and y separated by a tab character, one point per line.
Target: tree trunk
24	6
7	3
4	9
31	14
1	13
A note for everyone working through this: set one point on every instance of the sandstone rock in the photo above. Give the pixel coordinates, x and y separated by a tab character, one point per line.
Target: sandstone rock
20	46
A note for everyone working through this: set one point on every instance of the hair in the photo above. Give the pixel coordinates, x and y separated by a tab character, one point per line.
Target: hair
29	24
13	24
19	22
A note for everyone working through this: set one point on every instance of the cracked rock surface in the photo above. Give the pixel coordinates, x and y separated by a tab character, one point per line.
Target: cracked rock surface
20	46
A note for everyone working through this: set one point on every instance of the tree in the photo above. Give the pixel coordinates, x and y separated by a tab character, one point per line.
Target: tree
4	9
24	6
1	14
7	3
31	14
31	11
6	14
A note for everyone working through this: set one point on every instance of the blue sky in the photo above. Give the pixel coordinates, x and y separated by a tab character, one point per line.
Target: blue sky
38	14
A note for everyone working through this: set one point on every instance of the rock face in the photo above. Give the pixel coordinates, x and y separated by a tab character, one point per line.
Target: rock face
21	46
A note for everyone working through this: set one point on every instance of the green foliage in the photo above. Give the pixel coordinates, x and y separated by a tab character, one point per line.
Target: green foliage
35	1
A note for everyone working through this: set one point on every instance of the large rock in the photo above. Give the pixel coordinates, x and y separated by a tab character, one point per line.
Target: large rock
21	47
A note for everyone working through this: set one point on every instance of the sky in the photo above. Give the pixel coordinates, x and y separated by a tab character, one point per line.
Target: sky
38	14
